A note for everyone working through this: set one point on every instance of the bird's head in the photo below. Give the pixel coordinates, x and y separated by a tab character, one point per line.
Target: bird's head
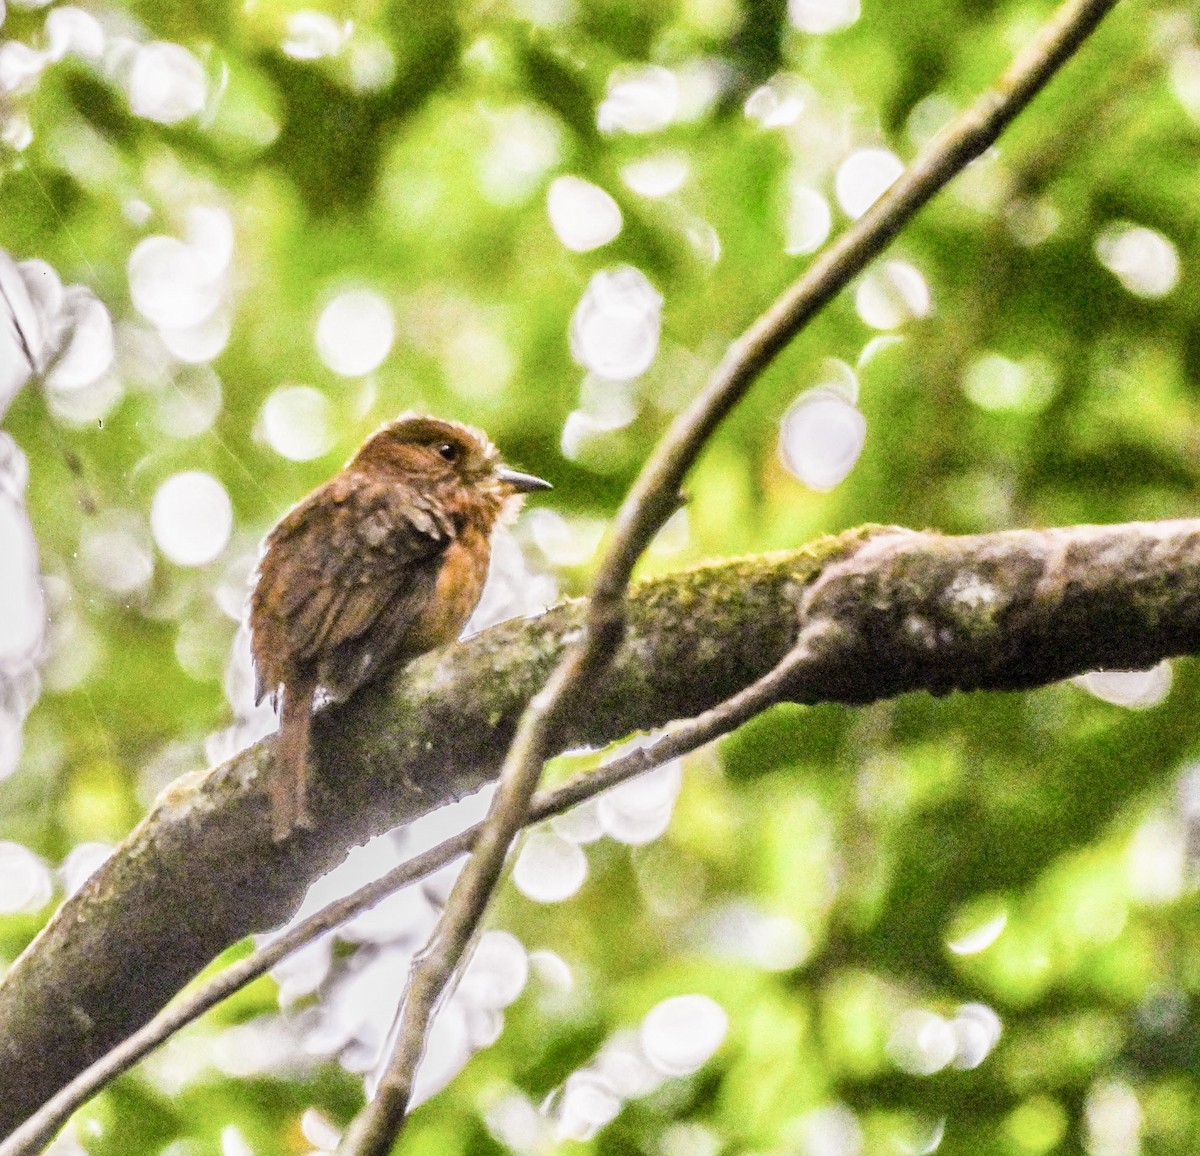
444	456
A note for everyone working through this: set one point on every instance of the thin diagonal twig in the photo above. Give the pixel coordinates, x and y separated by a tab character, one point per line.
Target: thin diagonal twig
652	500
682	739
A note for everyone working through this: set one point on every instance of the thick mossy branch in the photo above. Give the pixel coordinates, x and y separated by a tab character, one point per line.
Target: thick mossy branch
884	610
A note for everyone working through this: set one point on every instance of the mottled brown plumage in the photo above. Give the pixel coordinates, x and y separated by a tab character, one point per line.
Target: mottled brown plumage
383	562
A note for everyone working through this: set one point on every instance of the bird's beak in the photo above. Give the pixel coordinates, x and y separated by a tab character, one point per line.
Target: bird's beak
522	483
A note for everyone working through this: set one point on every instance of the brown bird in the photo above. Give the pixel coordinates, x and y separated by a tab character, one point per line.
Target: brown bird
383	562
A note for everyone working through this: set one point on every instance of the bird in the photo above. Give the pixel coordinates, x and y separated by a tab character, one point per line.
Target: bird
381	563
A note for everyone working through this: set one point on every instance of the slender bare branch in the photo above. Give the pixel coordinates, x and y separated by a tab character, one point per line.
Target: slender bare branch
651	501
681	739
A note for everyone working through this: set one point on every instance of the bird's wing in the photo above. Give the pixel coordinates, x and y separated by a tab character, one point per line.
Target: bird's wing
353	550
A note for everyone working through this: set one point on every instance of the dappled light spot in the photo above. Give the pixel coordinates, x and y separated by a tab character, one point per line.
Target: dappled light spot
319	1130
64	333
778	103
21	613
513	590
311	35
25	883
639	811
1184	75
587	1103
404	915
616	325
995	382
581	824
807	220
821	437
1113	1117
88	349
549	868
145	362
513	1120
821	16
552	971
680	1034
582	438
86	406
1143	260
166	83
172	283
526	144
200	342
918	1136
114	551
1187	793
875	347
70	29
355	332
296	422
260	1046
191	518
639	100
181	285
657	176
357	1009
624	1064
36	304
593	1095
922	1042
496	973
1156	859
690	1139
863	177
81	863
76	647
892	295
976	930
478	360
190	403
447	1049
371	62
700	80
704	240
11	743
20	66
830	1130
136	211
234	1142
607	404
209	231
1031	221
976	1032
740	930
303	972
674	535
16	131
928	117
1136	689
582	214
564	541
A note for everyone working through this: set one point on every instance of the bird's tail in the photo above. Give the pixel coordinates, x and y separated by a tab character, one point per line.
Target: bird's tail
287	784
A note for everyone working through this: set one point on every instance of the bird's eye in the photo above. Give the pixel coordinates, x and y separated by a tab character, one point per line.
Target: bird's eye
448	451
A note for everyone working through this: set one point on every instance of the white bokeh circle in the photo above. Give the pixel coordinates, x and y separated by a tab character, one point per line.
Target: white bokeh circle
191	518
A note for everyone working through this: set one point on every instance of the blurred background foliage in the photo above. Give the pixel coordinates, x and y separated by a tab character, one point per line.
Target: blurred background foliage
966	925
